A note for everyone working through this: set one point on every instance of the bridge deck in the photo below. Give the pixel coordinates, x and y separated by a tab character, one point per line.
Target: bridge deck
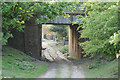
67	21
62	20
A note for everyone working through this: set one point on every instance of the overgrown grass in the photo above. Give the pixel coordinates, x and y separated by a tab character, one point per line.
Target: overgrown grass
17	65
103	70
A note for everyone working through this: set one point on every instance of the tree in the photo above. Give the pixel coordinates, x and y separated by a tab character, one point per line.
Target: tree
61	30
99	24
15	14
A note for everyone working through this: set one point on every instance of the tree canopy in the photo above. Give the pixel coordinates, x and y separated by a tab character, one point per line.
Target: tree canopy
15	14
61	30
101	26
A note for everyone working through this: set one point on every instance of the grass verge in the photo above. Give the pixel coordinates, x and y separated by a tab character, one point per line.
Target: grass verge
16	64
103	70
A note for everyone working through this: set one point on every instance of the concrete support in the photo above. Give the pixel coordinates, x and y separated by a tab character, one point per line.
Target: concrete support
17	41
33	39
29	41
74	49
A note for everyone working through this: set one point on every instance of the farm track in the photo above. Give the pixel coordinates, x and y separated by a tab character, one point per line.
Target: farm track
60	66
63	69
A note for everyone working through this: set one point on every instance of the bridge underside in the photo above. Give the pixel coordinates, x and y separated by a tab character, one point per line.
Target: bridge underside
30	41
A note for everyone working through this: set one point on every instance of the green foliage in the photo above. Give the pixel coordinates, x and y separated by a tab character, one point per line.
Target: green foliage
99	24
25	66
115	39
57	28
15	14
64	49
62	31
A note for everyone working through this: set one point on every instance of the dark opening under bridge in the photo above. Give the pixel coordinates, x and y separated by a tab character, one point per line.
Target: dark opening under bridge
30	41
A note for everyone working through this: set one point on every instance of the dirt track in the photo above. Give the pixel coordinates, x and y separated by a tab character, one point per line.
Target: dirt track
60	68
63	69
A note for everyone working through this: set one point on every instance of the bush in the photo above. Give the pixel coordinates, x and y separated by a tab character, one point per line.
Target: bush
115	39
61	30
14	15
99	26
64	49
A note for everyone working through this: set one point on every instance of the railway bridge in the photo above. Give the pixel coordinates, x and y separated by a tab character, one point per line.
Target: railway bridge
30	41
